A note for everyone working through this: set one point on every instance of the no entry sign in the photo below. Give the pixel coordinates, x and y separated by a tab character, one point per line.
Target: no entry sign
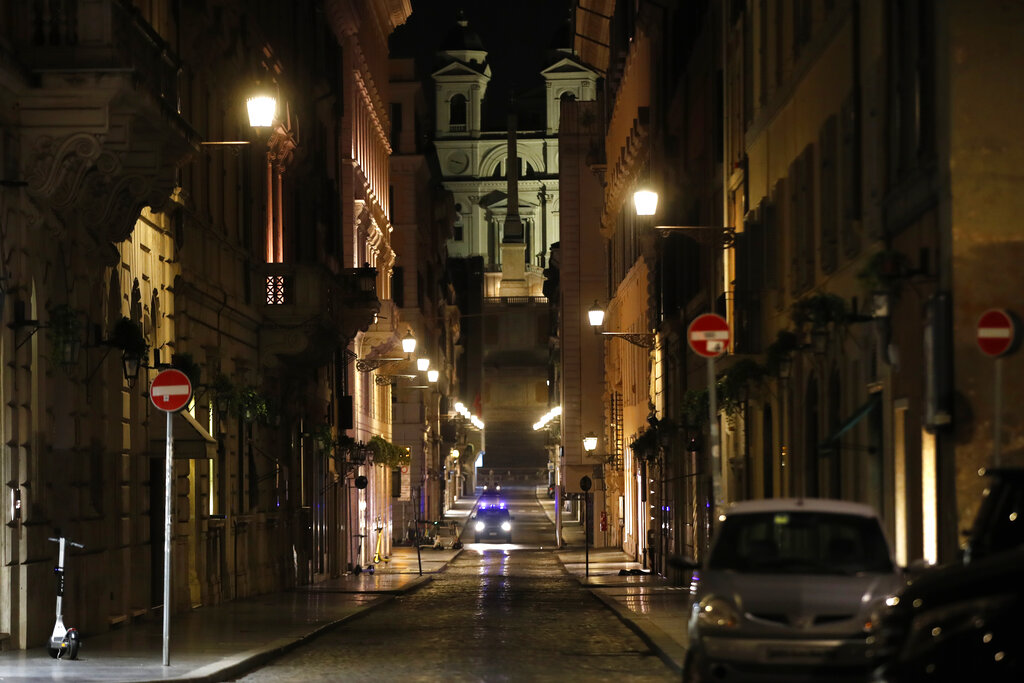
708	335
996	332
170	390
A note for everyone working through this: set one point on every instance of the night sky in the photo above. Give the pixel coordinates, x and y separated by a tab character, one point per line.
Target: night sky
517	35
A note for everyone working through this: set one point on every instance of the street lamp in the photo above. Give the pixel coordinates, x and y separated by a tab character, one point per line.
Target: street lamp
422	364
408	342
590	442
432	375
641	339
262	108
645	201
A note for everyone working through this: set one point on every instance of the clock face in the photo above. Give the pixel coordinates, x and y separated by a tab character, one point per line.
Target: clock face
458	162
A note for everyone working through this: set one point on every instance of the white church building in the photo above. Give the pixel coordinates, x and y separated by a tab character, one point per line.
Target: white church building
474	161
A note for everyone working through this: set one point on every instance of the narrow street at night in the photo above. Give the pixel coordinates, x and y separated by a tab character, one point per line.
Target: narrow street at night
500	612
511	340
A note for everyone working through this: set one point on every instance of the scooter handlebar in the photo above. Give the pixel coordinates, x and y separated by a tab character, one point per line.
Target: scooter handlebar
70	543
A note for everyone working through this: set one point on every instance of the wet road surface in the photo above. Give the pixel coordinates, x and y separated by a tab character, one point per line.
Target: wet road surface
500	612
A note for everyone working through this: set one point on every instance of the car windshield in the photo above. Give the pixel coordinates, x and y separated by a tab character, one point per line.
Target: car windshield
800	543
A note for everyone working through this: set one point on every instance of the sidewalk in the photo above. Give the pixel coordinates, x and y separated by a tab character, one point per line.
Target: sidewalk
224	641
647	603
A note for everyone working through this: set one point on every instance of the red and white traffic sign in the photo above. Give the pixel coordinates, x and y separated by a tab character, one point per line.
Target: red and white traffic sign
708	335
170	390
996	332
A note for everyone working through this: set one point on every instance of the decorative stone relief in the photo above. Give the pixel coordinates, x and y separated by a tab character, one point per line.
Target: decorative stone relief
88	185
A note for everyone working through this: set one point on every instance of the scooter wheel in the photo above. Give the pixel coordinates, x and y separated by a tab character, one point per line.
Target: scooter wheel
370	569
74	642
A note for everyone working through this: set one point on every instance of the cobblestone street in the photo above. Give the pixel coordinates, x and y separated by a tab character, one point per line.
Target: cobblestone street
496	614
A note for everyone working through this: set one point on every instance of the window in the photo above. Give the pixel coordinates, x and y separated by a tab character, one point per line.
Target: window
457	113
396	126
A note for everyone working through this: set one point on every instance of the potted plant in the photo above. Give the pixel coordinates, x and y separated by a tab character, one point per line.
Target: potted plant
224	392
185	363
779	354
388	454
734	385
252	404
64	330
883	271
695	407
818	310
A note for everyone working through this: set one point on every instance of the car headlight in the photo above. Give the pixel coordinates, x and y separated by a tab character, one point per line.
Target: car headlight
479	526
506	526
716	612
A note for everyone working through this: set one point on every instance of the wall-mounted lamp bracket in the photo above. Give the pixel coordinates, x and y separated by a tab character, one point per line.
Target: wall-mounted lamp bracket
371	364
703	232
641	339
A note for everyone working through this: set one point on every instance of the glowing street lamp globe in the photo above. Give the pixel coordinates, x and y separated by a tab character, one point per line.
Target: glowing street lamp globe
262	109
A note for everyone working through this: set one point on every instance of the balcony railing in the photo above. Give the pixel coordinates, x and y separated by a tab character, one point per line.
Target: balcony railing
93	35
304	291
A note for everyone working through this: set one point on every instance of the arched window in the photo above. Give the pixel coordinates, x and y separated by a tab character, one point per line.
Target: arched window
457	112
567	97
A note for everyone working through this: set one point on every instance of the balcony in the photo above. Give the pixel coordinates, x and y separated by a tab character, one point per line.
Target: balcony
99	111
309	310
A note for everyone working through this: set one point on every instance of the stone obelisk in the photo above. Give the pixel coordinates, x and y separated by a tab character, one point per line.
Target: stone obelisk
513	242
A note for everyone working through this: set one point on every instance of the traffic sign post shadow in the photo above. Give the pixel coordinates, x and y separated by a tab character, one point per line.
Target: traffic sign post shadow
709	336
170	392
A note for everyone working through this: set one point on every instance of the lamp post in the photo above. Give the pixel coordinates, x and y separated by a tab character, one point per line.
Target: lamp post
595	315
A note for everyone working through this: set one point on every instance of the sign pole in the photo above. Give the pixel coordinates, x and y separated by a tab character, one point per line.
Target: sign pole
168	495
170	391
585	485
709	336
716	464
997	404
996	335
586	532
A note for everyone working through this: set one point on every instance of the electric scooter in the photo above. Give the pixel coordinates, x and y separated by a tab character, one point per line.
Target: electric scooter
64	642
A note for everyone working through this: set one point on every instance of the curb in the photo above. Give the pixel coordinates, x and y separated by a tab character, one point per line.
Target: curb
668	650
247	662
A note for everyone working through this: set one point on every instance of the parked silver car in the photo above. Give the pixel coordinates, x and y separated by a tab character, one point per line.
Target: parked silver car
787	593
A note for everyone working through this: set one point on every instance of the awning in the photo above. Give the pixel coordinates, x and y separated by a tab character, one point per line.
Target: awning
831	444
191	440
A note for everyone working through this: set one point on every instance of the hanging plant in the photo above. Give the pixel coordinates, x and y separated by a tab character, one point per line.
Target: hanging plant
128	337
696	407
252	404
883	271
64	330
388	454
780	351
224	392
645	445
184	362
819	310
734	385
323	437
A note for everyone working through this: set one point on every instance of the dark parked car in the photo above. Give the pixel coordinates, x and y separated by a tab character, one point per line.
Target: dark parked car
962	622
